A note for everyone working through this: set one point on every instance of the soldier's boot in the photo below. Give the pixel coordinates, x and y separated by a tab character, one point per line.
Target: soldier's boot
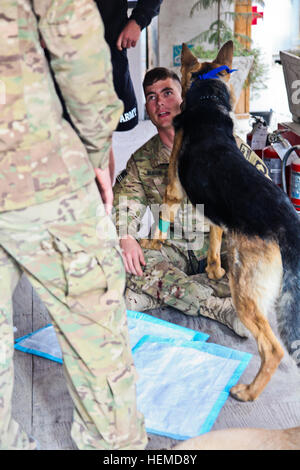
223	311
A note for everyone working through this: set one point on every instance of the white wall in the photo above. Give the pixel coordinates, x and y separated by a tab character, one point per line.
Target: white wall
279	29
176	26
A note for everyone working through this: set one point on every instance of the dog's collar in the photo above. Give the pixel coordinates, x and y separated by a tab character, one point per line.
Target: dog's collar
209	97
217	98
214	97
213	73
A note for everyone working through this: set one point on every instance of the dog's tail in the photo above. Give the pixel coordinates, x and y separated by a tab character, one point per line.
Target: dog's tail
288	310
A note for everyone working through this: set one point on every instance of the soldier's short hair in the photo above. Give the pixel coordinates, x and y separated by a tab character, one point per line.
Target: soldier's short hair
159	73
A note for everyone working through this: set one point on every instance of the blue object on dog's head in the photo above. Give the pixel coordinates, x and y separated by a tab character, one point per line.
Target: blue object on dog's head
213	73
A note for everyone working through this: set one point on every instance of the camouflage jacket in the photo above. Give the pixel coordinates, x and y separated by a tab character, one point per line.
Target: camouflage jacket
143	184
41	156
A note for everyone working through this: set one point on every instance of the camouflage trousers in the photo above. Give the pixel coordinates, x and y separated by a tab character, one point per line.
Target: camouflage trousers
167	280
71	256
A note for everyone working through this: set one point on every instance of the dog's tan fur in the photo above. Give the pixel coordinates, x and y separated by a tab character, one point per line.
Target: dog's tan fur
249	259
213	268
245	439
255	272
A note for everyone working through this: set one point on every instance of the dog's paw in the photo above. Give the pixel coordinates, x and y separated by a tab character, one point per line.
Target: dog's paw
215	272
242	392
151	244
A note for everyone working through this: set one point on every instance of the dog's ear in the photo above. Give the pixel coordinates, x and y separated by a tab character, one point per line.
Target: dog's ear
189	64
187	57
225	55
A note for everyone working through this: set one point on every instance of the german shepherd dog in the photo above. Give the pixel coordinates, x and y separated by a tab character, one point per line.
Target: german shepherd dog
244	439
263	229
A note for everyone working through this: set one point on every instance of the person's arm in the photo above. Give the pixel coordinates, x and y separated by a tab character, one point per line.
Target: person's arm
144	11
130	204
129	36
111	165
141	17
105	181
80	59
105	187
133	256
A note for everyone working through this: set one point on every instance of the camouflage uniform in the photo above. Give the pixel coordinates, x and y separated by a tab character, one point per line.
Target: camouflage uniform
168	277
53	225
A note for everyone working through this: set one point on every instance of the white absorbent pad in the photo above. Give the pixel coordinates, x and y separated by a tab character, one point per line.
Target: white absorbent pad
183	385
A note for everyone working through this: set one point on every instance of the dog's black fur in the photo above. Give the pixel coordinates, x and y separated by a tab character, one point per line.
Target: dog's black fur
236	196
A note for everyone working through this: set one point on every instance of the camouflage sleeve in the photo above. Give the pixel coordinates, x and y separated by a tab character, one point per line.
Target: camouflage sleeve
130	201
251	156
80	59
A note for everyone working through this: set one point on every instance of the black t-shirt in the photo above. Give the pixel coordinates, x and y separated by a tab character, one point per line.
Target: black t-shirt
114	15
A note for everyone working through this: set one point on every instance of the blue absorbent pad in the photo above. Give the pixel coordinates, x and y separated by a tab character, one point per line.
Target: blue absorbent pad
183	381
44	343
183	385
141	324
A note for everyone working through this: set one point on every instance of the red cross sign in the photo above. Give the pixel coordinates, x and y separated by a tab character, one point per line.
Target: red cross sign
256	14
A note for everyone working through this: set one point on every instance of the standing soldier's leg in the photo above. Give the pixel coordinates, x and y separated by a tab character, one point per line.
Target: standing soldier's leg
11	436
80	277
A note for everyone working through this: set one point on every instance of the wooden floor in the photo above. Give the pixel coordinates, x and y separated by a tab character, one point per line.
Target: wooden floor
42	405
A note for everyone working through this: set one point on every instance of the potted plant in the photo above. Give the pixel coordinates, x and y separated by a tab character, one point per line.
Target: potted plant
252	71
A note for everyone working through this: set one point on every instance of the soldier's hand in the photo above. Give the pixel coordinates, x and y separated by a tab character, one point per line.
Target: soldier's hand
111	165
133	256
129	35
105	188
